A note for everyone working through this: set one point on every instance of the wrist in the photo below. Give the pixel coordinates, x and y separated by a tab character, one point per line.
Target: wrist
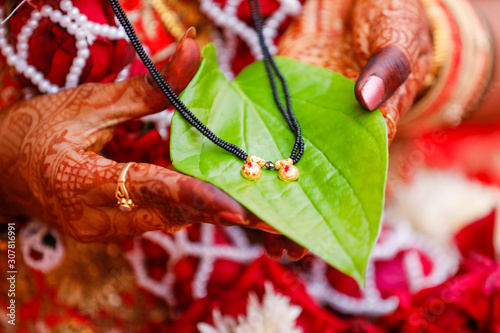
463	66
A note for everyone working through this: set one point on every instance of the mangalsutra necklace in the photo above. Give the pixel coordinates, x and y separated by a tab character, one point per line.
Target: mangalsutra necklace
252	169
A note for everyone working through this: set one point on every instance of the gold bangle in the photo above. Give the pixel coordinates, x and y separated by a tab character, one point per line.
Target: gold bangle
124	202
462	64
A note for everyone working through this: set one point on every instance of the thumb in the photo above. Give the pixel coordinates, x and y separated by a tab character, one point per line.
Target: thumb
384	73
395	44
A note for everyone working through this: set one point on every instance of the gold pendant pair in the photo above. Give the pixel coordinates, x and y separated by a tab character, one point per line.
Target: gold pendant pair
252	169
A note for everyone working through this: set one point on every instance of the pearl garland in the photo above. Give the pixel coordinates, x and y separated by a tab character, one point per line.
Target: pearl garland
232	27
77	25
178	246
395	240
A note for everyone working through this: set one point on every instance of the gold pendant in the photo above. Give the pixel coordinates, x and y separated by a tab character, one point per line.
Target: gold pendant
288	173
252	170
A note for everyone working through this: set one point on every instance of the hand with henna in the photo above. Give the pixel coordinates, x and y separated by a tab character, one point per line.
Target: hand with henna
384	45
50	169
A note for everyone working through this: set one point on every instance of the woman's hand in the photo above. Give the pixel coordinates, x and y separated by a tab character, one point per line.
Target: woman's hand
383	44
50	168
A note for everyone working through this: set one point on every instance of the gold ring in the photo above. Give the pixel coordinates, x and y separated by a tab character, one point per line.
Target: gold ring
125	203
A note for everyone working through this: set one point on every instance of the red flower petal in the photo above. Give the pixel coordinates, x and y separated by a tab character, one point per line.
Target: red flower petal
477	237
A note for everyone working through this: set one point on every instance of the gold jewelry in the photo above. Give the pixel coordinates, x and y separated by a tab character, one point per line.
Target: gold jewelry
462	66
252	170
169	19
393	124
125	203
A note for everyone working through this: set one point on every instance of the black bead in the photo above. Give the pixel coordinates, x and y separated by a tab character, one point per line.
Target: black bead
269	64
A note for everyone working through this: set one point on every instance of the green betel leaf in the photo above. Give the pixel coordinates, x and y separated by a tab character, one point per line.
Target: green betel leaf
335	207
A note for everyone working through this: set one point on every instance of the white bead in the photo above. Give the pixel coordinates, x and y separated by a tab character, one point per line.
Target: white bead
44	86
213	11
74	13
46	10
279	16
22	46
21	66
204	6
267	32
121	33
70	84
66	5
79	62
75	70
95	28
21	38
36	15
53	89
55	16
72	28
72	80
83	53
29	71
113	34
232	21
253	39
23	55
81	43
272	23
80	34
26	30
292	7
3	42
8	50
36	78
65	21
32	23
12	59
239	28
2	31
81	19
105	29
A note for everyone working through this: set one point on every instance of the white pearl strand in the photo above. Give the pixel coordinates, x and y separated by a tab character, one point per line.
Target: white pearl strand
76	24
178	246
227	19
400	238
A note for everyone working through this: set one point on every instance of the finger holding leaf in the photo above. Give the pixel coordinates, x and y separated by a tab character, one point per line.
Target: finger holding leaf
51	169
383	45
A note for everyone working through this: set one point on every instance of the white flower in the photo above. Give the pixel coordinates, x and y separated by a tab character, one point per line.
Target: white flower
274	315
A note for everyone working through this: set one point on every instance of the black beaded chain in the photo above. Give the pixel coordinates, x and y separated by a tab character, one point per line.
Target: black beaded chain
270	65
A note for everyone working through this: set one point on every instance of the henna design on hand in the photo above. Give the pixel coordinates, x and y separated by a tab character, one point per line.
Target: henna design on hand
361	39
50	169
